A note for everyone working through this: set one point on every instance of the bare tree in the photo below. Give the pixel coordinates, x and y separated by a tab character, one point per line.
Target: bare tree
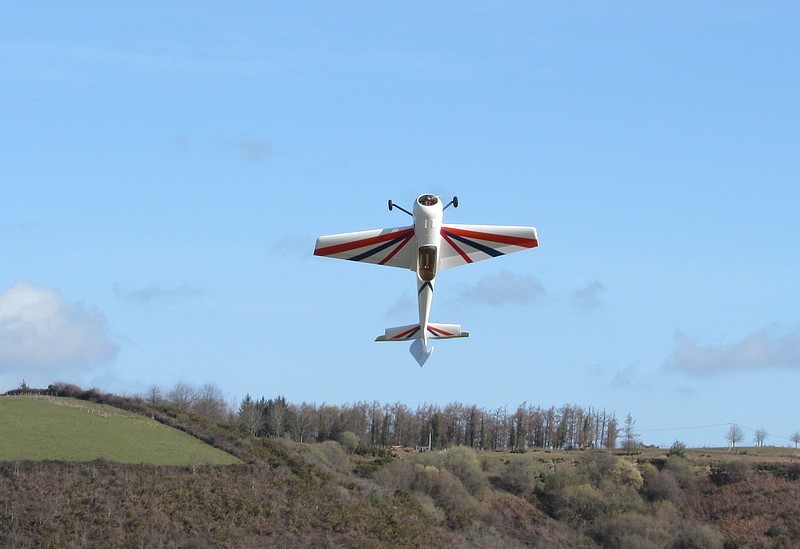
760	435
154	394
796	438
182	395
735	434
612	433
631	442
208	401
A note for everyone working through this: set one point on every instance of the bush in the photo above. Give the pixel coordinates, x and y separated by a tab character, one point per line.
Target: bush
731	472
597	466
461	461
397	475
678	449
449	493
625	473
349	441
331	454
520	477
580	503
662	486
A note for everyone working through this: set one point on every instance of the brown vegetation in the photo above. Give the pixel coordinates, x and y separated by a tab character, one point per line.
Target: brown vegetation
343	491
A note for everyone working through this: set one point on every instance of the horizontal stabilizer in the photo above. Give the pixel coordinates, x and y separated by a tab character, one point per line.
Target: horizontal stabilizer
412	331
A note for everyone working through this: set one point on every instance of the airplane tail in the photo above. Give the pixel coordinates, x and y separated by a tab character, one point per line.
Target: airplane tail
412	331
419	348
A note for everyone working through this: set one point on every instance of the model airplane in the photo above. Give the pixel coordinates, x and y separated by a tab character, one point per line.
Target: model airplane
426	247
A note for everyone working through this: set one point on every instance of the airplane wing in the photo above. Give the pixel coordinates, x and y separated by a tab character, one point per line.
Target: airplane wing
462	244
379	246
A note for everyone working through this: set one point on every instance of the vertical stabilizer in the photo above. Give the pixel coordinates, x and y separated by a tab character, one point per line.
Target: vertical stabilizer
420	351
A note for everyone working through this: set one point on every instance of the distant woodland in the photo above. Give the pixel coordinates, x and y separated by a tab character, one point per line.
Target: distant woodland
366	475
385	425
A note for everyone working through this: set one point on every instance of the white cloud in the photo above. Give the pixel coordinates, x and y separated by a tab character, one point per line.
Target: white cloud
588	297
505	288
768	348
41	331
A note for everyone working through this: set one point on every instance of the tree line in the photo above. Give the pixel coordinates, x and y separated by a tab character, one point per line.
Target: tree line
376	424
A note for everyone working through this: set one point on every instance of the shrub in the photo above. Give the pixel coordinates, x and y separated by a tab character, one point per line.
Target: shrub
662	486
349	441
678	449
730	472
397	475
331	454
520	477
625	473
463	462
580	503
449	493
597	467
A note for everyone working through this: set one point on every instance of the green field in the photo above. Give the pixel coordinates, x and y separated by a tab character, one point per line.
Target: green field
55	428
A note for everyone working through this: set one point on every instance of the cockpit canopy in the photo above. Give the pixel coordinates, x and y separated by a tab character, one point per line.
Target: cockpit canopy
426	262
428	200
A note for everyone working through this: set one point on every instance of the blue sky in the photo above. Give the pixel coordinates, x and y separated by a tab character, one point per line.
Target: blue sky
166	167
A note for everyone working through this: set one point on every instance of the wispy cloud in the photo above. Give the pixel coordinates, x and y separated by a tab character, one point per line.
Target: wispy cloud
253	150
403	306
156	293
768	348
504	289
42	331
625	377
587	298
292	245
250	149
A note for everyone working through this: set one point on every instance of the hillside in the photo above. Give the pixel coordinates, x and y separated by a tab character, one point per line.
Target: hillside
344	494
59	428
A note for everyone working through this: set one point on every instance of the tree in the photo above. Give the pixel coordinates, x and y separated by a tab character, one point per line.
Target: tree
250	416
631	442
734	435
612	434
386	426
182	395
275	416
208	401
796	438
760	435
154	394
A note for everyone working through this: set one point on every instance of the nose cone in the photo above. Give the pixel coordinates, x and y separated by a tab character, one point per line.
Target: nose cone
428	205
428	200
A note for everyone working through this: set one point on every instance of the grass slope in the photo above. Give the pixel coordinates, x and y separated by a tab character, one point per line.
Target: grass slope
57	428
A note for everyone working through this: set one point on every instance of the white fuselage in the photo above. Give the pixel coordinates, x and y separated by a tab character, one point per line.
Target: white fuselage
427	225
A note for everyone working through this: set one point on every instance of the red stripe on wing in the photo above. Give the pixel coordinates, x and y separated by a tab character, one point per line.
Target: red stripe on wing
355	244
407	333
398	248
455	246
493	237
439	331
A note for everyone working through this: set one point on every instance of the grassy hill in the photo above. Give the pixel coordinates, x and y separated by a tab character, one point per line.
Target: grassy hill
57	428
